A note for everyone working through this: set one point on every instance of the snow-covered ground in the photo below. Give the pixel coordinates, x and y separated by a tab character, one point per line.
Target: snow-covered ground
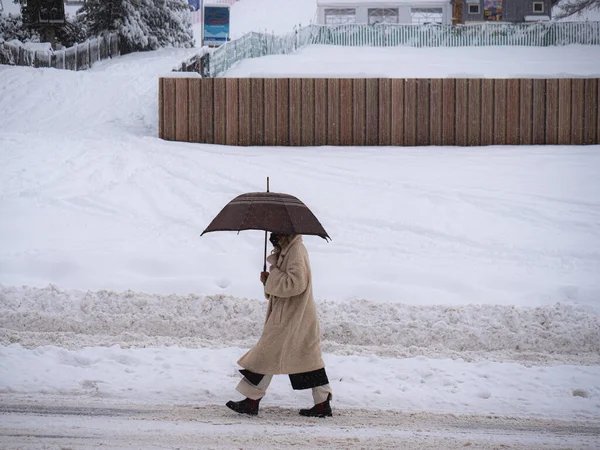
571	61
97	202
459	280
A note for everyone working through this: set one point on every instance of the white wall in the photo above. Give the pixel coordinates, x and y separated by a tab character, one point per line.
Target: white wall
404	15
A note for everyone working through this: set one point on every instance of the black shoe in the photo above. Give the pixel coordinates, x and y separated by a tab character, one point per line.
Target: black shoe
246	406
320	410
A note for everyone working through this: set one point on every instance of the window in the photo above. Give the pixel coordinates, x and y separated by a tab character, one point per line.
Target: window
538	7
473	9
423	16
340	16
383	15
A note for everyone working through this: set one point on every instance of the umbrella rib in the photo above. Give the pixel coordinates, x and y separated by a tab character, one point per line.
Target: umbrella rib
289	215
245	216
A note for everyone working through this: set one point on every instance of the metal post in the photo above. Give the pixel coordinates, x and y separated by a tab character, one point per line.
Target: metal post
201	23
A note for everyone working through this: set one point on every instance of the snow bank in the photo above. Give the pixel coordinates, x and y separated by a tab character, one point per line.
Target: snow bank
114	97
204	376
75	319
406	62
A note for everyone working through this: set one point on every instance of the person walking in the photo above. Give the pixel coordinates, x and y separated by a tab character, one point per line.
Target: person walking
290	343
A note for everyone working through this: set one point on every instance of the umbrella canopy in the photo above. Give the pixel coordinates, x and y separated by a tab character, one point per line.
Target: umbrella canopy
268	211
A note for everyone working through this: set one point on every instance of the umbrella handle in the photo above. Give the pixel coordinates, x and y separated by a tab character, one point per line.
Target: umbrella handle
265	260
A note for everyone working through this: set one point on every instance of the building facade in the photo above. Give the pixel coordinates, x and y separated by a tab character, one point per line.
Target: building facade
477	11
372	12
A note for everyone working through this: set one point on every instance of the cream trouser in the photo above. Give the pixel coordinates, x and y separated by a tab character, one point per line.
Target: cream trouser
244	387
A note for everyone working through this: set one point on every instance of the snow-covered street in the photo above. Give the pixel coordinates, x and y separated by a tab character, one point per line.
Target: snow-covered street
56	423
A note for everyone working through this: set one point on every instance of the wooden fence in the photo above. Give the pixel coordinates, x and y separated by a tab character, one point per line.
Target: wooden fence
378	111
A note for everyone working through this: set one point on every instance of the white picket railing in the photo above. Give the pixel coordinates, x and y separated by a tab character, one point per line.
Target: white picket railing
541	34
254	45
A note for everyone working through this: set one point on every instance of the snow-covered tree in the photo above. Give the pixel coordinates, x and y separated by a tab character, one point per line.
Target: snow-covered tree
141	24
12	27
568	8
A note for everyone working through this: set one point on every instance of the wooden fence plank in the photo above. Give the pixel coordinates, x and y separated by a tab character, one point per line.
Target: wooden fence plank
598	115
161	108
220	111
283	111
552	111
436	102
257	112
577	110
270	123
526	112
181	110
359	105
500	110
513	110
333	111
397	112
321	113
410	112
449	112
232	128
295	111
245	111
346	111
487	112
422	133
195	109
474	112
307	131
591	111
462	111
207	108
372	111
564	111
169	110
385	112
539	112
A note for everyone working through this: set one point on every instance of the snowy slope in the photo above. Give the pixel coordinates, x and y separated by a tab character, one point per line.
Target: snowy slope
97	202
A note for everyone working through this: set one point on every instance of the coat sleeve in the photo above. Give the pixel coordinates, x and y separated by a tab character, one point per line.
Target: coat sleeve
293	281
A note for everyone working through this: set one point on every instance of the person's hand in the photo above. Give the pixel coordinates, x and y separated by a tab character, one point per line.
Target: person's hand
263	277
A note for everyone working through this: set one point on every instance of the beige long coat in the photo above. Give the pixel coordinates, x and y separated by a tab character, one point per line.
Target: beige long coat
290	342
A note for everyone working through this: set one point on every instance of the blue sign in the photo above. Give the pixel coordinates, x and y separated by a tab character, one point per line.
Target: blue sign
194	4
216	25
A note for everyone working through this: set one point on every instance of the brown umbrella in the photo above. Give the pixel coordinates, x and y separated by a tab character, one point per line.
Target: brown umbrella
268	211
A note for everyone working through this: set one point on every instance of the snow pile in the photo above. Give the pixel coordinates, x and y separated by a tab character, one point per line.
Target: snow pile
75	319
204	376
407	62
115	97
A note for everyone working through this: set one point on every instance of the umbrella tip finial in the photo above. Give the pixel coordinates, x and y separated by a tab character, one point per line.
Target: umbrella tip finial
268	184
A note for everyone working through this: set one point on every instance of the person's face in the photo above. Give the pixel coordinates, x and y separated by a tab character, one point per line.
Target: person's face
274	238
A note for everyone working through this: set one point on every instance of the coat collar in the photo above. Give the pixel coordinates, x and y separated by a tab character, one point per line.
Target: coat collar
293	242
